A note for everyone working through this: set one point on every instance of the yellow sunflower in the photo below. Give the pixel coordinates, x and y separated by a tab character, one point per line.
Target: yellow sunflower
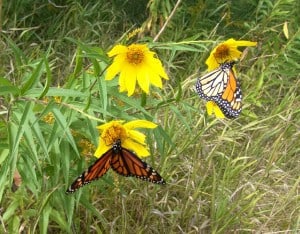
226	51
130	139
213	108
135	63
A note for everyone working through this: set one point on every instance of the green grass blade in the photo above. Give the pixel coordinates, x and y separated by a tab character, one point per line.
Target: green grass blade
62	122
48	79
33	79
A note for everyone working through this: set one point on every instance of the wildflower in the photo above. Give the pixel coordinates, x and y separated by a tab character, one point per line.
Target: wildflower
213	108
87	147
49	118
130	138
57	99
135	63
226	51
74	133
46	100
134	33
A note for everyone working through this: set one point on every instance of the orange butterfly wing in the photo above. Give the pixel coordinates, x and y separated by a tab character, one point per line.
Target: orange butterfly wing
230	88
121	160
94	172
231	100
126	163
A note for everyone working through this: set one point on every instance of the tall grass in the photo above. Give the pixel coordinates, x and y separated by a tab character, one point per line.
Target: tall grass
223	176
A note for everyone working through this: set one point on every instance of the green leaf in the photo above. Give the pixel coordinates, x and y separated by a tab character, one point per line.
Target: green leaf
103	94
44	219
15	224
180	116
65	159
5	173
33	78
77	70
30	175
19	55
60	92
22	125
6	87
32	151
91	51
3	154
38	135
9	90
133	103
4	82
62	122
96	66
60	220
48	79
10	211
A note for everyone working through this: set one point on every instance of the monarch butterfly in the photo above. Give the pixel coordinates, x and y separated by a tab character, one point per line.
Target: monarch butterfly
222	87
122	161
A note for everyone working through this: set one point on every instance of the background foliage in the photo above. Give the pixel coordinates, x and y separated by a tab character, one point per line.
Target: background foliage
222	175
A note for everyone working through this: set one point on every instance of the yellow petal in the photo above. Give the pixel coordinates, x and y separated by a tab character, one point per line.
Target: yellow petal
235	54
109	124
155	66
158	68
128	76
102	148
139	149
209	107
286	30
137	136
142	47
139	124
238	43
163	74
218	112
156	81
117	49
143	80
211	62
213	108
122	84
130	86
112	71
154	75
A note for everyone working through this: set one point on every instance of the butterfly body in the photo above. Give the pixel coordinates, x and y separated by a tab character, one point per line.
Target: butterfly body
222	87
122	161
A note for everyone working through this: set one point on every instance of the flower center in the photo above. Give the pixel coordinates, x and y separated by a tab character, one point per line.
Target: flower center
115	132
135	54
222	53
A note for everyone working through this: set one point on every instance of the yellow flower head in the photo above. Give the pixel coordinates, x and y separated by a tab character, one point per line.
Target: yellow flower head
130	138
87	147
134	32
226	51
49	118
212	108
135	63
57	99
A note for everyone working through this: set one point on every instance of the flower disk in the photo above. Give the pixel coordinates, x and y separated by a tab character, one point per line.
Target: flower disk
135	63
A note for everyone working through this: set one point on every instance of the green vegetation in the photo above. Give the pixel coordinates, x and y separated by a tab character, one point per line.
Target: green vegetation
223	176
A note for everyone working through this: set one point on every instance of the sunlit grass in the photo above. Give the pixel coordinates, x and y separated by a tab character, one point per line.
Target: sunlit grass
223	176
